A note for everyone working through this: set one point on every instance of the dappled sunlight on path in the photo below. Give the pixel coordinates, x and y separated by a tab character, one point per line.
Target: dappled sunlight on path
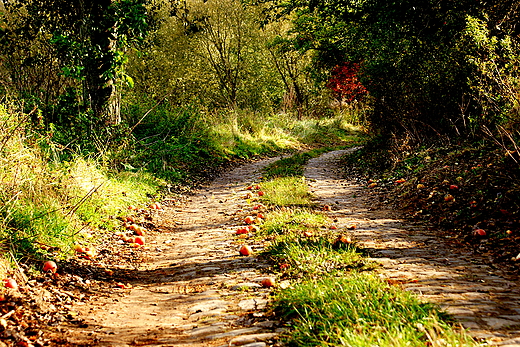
418	259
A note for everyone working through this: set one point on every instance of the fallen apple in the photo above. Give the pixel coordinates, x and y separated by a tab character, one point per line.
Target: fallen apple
401	180
10	283
449	198
479	232
454	187
327	208
241	231
50	266
421	186
260	193
249	219
245	250
260	215
372	185
257	187
284	266
140	231
333	227
253	228
268	282
139	240
344	239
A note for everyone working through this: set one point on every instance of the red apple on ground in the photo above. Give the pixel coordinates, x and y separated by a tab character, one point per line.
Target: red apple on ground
10	283
241	231
253	228
479	232
268	282
139	240
449	198
245	250
50	266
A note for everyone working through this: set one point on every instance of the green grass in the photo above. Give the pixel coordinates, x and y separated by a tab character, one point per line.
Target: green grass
45	203
315	255
361	310
293	166
287	191
290	221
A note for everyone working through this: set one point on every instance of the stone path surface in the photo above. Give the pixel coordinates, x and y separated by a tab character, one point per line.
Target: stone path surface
475	294
196	290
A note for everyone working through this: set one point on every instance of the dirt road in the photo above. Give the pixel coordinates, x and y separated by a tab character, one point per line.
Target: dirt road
195	289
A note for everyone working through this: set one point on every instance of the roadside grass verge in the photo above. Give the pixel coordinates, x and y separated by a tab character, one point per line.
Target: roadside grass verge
47	205
332	295
189	144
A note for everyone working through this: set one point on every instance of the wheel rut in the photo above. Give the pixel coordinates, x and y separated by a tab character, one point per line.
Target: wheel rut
414	257
195	289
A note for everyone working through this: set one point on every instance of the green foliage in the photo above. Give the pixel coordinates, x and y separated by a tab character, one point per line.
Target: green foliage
293	221
47	203
429	68
313	256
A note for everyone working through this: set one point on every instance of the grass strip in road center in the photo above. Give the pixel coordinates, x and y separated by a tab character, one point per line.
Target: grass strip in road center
334	297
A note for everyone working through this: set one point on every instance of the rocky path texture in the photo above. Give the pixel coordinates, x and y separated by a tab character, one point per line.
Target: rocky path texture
194	289
478	296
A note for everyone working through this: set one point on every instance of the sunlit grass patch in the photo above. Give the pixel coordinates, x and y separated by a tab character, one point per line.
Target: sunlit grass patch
304	254
46	203
361	310
287	191
292	221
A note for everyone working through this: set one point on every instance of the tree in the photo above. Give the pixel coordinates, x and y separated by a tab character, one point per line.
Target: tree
417	59
89	39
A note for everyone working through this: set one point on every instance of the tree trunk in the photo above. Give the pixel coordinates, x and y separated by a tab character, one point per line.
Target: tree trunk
103	96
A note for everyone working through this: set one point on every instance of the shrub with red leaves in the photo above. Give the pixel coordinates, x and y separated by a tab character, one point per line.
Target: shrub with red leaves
344	82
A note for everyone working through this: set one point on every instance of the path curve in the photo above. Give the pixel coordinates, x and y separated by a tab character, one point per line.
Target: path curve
412	256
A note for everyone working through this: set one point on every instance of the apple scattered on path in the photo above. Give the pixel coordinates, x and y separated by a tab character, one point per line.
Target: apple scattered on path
245	250
139	240
268	282
50	266
479	232
10	283
241	231
449	198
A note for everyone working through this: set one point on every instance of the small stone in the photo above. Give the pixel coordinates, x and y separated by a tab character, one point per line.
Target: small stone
234	333
249	339
203	331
